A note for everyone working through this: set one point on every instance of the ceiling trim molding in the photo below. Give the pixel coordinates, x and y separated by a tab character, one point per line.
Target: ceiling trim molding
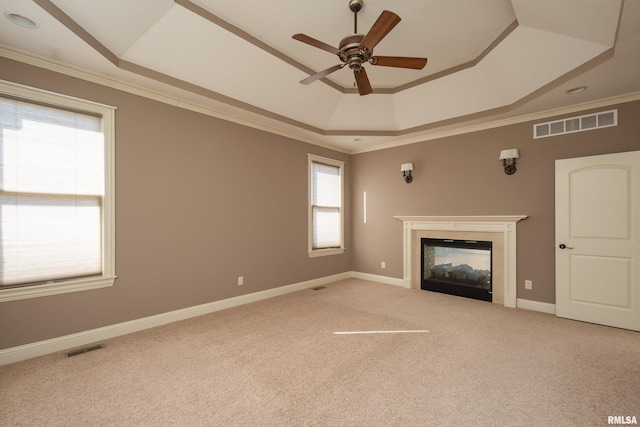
68	22
464	66
111	82
77	72
572	109
75	28
216	20
603	57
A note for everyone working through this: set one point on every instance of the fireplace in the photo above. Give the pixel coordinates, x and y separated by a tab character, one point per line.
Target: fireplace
457	267
499	229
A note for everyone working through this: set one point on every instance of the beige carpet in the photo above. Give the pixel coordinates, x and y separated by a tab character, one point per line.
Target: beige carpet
279	362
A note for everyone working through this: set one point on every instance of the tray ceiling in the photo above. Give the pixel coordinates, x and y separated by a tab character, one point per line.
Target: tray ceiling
488	60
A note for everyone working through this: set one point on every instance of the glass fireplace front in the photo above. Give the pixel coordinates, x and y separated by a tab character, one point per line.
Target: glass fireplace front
457	267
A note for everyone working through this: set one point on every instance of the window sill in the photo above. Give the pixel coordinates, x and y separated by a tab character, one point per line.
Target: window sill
55	288
325	252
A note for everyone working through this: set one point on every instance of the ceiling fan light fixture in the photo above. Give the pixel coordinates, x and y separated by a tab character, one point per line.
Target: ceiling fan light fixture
355	63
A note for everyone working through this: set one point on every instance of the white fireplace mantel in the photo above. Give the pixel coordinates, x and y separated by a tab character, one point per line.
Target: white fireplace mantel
505	224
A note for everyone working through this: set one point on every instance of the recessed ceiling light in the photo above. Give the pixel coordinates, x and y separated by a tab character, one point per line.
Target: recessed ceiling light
576	90
18	19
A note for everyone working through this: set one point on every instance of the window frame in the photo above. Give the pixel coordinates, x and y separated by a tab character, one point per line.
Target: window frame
107	113
313	252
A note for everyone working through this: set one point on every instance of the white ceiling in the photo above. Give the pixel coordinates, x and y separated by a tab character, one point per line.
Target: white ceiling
489	60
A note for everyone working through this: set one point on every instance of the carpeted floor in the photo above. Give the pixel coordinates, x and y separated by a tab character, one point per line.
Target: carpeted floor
279	362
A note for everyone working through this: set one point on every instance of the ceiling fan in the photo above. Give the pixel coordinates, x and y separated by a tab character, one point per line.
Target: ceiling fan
356	49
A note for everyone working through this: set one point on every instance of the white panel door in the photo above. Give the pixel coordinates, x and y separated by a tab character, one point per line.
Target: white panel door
598	239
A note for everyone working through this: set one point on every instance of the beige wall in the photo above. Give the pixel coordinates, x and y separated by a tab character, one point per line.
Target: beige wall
199	202
462	175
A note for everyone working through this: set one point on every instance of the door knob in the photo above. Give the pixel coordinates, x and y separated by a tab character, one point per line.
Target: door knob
563	246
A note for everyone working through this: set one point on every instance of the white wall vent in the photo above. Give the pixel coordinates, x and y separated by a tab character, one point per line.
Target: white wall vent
603	119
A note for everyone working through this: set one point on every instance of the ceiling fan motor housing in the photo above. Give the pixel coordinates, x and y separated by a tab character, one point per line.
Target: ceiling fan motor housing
350	52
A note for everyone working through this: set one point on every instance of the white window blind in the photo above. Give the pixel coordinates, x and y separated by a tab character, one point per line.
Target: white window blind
51	194
326	217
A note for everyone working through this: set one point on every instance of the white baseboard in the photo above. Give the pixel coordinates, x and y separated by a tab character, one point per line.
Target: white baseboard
41	348
376	278
543	307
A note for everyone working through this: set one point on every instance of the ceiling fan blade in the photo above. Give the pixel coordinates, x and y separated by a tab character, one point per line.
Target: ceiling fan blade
362	81
316	43
385	23
321	74
399	61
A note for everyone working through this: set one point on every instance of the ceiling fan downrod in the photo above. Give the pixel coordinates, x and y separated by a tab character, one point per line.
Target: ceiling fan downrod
350	53
355	6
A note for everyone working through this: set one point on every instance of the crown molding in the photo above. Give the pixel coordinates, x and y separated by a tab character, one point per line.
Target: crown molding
491	124
114	83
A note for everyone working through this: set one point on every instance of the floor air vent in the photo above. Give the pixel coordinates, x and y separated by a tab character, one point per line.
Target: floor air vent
84	350
587	122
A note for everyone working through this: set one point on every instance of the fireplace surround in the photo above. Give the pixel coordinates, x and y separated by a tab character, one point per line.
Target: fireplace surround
500	230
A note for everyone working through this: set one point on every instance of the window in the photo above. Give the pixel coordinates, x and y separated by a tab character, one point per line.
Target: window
56	194
326	236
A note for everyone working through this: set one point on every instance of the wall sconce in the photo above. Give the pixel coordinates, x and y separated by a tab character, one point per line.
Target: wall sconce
406	169
508	158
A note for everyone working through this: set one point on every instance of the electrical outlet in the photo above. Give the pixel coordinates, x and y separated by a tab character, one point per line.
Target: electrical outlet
528	284
383	265
240	280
